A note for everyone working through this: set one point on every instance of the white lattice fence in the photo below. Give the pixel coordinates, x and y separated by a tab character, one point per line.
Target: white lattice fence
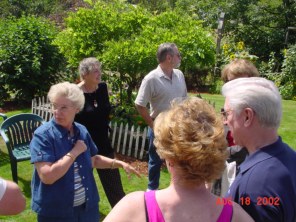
127	140
41	107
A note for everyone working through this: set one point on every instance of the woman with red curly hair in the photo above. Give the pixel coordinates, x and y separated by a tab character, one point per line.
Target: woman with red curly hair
190	138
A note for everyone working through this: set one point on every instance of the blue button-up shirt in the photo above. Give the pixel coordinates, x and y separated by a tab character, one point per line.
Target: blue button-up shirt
49	144
266	184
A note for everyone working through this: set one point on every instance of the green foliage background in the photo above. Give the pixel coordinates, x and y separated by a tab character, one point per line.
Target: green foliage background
29	63
125	38
124	34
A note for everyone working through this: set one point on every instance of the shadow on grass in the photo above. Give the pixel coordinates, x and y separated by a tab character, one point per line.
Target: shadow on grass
26	186
4	158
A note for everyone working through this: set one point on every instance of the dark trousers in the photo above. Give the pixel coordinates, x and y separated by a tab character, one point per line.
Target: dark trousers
111	183
154	163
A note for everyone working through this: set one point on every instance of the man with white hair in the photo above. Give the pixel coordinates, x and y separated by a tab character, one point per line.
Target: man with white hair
266	183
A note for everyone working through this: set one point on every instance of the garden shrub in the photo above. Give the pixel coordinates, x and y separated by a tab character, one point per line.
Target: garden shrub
46	8
288	81
125	39
30	64
125	113
88	29
284	76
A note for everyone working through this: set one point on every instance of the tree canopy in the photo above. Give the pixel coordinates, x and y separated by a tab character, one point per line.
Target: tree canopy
125	34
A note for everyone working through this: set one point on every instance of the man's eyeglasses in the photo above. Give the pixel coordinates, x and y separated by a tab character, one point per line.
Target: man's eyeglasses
178	55
225	113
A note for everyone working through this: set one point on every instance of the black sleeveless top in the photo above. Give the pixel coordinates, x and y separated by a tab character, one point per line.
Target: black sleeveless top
95	117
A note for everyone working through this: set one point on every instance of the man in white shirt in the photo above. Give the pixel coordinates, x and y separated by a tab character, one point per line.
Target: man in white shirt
159	88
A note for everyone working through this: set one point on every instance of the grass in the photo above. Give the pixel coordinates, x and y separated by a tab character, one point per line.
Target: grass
287	131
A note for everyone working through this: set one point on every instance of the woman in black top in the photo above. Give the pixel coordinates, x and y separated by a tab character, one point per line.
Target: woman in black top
95	117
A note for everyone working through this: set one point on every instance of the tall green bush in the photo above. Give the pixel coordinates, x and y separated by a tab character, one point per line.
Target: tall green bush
288	81
136	56
29	63
44	8
284	76
88	29
125	38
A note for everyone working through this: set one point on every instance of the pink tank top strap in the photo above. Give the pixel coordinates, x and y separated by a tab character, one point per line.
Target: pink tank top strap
226	214
153	210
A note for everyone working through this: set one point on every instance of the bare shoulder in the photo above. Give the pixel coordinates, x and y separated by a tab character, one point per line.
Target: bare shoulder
240	215
129	208
136	197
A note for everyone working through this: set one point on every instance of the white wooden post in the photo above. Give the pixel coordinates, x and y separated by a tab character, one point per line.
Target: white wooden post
144	135
114	134
119	137
137	142
125	139
131	140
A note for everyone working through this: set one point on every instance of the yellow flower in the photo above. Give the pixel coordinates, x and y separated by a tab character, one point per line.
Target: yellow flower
232	56
225	47
240	45
226	53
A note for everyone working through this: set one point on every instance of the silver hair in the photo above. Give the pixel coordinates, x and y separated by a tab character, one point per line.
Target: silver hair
259	94
68	90
163	50
87	65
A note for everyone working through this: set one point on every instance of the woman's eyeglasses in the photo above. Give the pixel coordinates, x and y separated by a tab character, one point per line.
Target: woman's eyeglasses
62	108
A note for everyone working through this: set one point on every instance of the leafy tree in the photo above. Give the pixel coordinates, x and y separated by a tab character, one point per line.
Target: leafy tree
125	38
288	75
29	62
156	6
89	28
136	56
286	78
260	24
44	8
207	11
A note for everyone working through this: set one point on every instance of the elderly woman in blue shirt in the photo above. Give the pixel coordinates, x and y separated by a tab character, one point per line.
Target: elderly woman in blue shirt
64	155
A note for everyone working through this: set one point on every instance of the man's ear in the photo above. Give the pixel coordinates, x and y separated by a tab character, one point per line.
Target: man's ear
249	116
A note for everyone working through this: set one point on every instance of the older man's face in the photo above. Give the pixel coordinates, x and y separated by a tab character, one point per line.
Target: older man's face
234	122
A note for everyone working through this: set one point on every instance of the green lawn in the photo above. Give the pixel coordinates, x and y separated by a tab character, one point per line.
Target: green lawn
287	132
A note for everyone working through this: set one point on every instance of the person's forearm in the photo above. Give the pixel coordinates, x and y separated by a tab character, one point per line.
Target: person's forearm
102	162
51	172
143	111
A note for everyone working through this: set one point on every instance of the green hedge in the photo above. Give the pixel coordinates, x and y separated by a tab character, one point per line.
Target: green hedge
29	62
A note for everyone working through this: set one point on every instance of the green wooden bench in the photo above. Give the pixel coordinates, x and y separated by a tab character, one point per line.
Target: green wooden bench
17	132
